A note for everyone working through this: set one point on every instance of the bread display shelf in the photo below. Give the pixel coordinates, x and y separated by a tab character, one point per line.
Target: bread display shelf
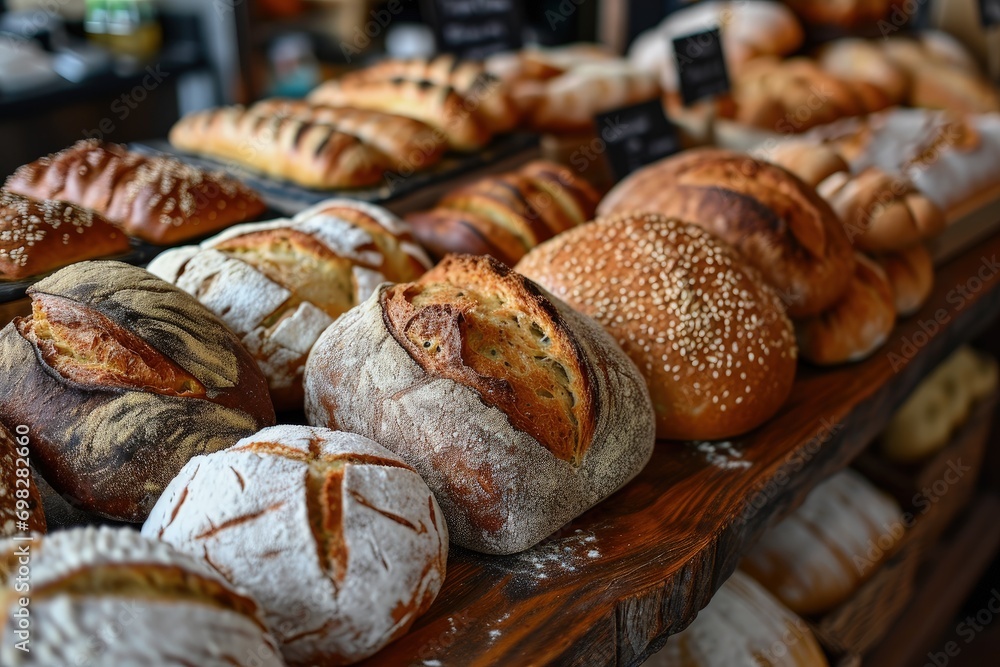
289	199
610	587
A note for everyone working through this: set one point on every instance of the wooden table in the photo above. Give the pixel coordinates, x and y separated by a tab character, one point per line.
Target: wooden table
611	586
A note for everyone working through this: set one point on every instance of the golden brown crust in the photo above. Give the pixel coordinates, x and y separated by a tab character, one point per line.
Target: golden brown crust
158	199
39	236
857	325
443	231
778	222
813	163
474	321
911	273
18	515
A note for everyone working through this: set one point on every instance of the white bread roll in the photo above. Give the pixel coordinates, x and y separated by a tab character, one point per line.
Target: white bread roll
108	596
261	511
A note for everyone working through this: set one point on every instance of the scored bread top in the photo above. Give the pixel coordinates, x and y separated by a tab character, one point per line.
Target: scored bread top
476	322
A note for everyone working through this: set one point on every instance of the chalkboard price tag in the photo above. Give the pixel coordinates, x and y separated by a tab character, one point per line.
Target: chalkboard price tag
636	135
475	29
701	66
989	13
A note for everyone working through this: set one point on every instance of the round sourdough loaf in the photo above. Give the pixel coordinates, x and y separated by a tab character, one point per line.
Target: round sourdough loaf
818	556
108	596
711	339
121	378
519	412
854	327
21	508
279	284
775	219
289	493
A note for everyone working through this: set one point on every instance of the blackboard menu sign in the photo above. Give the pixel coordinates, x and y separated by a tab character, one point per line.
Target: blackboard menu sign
701	66
636	135
475	29
989	13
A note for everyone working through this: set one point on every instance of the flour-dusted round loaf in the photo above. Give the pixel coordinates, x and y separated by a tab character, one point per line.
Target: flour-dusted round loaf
279	284
775	219
819	555
711	339
121	378
21	510
743	626
108	596
519	412
340	541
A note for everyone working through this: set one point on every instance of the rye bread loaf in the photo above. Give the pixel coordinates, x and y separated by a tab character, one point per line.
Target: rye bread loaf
122	378
518	412
104	596
381	541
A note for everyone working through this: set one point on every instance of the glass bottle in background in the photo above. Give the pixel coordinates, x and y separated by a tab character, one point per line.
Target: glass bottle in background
124	27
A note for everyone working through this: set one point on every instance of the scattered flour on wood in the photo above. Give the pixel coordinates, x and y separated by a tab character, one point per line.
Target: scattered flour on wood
722	455
563	554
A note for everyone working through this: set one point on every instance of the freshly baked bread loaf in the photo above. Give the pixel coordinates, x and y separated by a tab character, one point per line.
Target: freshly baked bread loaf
111	597
778	222
279	284
811	162
854	327
719	360
911	274
939	405
507	215
122	378
742	625
157	199
519	412
409	144
439	106
20	502
820	554
859	60
315	155
39	236
381	539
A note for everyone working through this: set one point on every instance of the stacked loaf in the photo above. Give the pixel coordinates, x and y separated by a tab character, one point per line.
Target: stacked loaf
506	215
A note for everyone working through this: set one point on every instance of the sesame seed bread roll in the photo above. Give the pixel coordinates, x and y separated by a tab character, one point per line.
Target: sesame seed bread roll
157	199
21	509
289	493
519	412
779	223
711	339
39	236
855	326
121	378
108	596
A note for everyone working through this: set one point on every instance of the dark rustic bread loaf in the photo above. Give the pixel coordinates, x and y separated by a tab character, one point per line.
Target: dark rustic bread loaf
777	221
108	596
381	538
20	502
39	236
712	340
518	412
122	378
158	199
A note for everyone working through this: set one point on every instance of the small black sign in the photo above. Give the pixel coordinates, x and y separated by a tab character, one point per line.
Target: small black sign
636	135
475	29
989	13
701	66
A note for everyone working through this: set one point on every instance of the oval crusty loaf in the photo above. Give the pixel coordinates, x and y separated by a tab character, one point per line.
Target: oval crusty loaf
518	412
742	626
340	541
854	327
818	556
778	222
911	274
103	596
122	378
279	284
811	162
39	236
21	509
712	341
158	199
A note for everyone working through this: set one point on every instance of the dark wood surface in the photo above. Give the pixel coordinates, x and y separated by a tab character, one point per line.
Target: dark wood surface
612	585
